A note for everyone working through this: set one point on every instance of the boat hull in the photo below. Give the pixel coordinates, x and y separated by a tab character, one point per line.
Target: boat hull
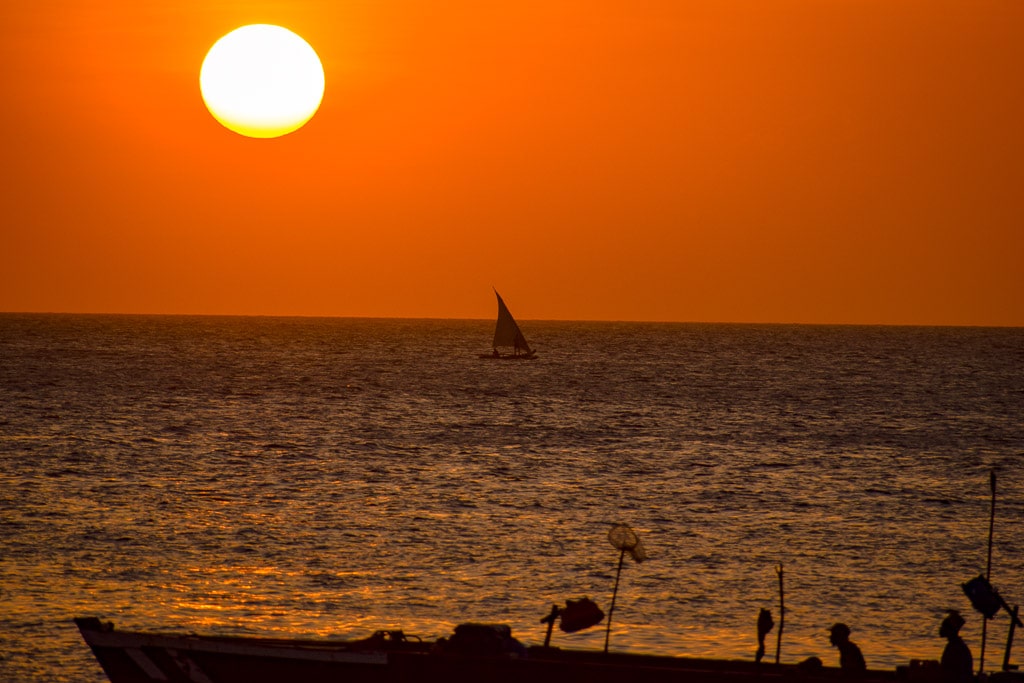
131	657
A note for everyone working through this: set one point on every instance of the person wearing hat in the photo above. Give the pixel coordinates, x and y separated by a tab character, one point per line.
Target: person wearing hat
957	662
851	661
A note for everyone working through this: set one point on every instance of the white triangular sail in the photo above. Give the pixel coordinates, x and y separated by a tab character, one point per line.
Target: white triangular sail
507	332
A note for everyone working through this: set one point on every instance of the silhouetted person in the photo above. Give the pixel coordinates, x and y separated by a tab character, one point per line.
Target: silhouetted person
764	625
957	662
851	661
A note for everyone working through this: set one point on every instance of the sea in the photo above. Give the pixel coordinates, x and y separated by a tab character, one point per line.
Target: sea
329	477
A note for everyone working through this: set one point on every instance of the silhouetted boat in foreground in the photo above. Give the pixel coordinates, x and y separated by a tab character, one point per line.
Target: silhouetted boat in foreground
488	653
476	653
507	335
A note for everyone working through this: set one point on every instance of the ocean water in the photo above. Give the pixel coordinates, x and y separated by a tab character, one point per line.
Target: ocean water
330	477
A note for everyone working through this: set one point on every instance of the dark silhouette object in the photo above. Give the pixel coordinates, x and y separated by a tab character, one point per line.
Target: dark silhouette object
987	600
625	541
384	640
988	570
983	596
481	639
1014	623
811	665
550	621
851	661
765	623
575	616
957	662
580	614
782	614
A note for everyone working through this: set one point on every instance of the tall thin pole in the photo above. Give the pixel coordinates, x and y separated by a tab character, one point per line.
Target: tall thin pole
611	610
782	615
988	569
991	525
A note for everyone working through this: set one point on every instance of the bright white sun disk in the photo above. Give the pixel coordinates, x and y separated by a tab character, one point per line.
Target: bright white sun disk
262	81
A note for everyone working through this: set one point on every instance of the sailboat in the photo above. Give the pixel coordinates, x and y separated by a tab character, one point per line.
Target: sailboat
508	335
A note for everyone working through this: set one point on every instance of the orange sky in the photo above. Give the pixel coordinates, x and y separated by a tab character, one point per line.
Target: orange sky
817	161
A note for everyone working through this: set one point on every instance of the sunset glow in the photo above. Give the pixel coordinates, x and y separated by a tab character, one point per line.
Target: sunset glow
794	161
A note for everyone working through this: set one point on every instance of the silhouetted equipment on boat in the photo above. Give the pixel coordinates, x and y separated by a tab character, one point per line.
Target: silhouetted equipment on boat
782	614
986	599
575	616
988	569
492	640
1014	623
625	541
507	335
983	596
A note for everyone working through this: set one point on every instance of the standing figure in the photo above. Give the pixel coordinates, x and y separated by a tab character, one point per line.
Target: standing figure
851	661
764	625
957	662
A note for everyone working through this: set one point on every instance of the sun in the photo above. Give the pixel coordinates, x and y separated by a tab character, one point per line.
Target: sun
262	81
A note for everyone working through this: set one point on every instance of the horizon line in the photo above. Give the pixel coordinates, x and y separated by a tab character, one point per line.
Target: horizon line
519	319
